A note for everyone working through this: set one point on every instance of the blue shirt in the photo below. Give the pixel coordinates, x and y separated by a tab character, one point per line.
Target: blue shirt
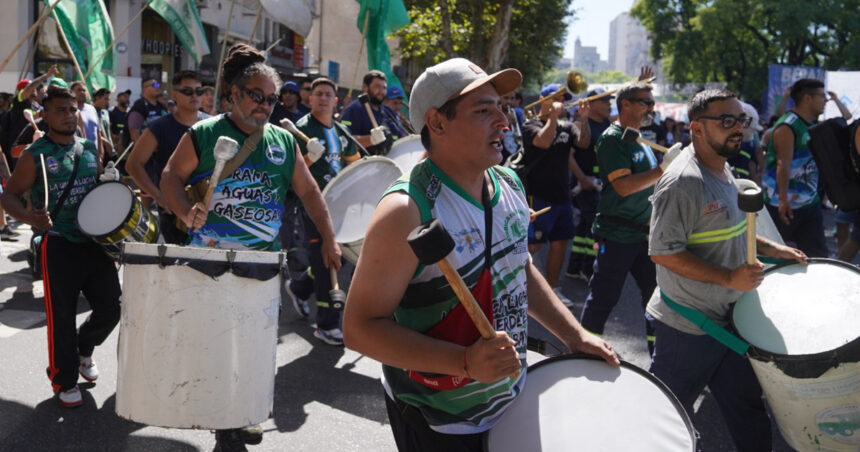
355	117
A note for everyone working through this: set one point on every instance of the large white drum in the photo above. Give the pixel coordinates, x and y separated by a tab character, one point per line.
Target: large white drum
803	325
575	403
406	152
198	336
351	197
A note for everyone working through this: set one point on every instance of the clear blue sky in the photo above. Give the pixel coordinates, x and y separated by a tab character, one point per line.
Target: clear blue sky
591	24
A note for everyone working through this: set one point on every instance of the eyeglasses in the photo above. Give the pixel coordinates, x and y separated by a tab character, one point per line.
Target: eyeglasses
153	85
189	91
644	101
270	100
729	121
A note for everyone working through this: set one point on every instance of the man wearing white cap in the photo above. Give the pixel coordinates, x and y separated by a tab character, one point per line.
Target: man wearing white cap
407	316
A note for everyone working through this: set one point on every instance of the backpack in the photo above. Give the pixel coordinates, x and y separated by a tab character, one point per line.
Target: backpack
832	145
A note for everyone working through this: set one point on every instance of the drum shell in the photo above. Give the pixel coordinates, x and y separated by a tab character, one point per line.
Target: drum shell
138	225
406	152
814	398
197	349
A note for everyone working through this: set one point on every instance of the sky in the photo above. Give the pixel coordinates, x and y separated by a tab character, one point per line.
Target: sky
591	24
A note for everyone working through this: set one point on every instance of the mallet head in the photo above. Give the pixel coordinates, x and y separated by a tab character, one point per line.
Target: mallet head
338	298
750	197
363	98
430	242
288	125
225	148
630	135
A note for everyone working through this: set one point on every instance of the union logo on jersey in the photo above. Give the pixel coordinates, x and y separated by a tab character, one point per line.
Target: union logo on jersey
276	154
52	165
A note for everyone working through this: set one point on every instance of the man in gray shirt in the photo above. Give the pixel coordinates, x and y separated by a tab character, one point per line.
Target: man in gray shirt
698	243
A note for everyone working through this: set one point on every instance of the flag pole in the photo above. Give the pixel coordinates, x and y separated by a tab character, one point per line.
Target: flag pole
116	39
221	58
71	52
256	22
360	51
28	33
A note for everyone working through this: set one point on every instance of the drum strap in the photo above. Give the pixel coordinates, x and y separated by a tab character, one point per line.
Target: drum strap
710	327
248	147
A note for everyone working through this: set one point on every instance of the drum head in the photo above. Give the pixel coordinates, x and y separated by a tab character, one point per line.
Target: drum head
406	152
104	208
352	195
572	403
802	309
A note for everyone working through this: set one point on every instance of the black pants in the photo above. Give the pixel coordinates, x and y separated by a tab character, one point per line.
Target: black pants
69	268
168	229
412	434
327	318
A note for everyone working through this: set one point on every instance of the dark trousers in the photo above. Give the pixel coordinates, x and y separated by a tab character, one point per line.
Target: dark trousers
68	269
806	229
327	318
582	251
614	261
412	434
687	363
168	229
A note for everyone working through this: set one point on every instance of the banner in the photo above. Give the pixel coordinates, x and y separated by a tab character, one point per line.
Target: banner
383	17
297	15
184	20
781	77
846	85
88	30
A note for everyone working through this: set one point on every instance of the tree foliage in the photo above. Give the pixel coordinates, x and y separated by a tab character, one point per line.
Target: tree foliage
733	41
475	30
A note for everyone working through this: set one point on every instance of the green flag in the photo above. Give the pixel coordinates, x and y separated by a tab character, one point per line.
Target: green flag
383	17
184	19
88	30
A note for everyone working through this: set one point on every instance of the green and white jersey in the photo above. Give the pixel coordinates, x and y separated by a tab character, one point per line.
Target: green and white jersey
803	175
476	406
246	207
336	145
59	163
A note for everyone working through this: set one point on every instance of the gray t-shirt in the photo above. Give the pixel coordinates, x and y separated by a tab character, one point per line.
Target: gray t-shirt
696	211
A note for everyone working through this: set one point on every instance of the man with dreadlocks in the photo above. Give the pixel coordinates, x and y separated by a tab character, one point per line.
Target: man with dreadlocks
275	164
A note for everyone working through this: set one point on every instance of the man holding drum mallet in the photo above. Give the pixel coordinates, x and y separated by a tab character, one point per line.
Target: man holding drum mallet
66	167
246	208
326	151
698	243
444	385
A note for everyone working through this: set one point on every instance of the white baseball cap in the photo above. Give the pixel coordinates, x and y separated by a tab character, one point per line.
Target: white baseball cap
451	79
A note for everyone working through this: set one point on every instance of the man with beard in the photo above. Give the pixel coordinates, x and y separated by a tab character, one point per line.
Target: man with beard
355	116
790	179
119	117
699	246
628	172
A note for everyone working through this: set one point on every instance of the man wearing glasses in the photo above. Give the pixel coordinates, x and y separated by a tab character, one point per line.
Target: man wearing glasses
698	243
144	111
155	145
628	172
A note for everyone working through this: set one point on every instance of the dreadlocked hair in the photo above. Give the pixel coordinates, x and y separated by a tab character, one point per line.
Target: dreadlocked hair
244	62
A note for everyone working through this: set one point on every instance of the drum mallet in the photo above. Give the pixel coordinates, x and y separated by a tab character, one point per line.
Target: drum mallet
542	211
44	179
432	244
225	149
750	200
287	124
632	135
337	296
365	100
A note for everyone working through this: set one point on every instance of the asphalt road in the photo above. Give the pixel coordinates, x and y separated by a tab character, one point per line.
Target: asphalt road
326	398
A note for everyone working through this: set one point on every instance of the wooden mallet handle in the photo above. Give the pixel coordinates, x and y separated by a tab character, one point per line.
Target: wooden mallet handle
365	100
750	200
287	124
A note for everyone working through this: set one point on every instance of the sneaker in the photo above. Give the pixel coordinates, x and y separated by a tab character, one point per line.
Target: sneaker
561	297
7	233
71	398
576	274
229	441
332	337
88	369
252	434
301	306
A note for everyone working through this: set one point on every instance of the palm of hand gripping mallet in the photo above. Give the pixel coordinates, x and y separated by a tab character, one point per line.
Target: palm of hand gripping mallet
432	244
337	296
750	200
225	149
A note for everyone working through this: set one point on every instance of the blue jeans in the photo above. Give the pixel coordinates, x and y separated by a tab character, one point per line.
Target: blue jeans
687	363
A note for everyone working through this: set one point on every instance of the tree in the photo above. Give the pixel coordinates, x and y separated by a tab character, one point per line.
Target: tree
525	34
733	41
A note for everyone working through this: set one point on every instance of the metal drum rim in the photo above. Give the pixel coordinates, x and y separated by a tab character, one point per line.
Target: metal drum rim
102	237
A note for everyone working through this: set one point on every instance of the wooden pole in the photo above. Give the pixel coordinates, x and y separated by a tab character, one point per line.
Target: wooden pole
256	22
28	33
72	53
223	51
116	39
360	51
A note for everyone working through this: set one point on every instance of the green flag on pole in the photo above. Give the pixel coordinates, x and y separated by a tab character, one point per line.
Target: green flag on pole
384	17
88	29
184	19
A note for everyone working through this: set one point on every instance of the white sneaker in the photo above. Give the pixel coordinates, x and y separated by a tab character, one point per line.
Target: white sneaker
332	337
88	369
561	297
71	398
301	306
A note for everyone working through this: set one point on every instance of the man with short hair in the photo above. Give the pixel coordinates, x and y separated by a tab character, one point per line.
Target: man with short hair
354	116
288	107
101	101
304	106
207	101
698	241
144	111
71	262
790	179
444	385
628	172
326	154
86	111
156	144
119	117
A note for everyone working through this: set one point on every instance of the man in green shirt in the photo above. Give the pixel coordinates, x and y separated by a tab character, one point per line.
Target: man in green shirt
628	172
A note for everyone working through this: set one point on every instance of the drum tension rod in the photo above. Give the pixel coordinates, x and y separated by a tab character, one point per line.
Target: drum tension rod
162	250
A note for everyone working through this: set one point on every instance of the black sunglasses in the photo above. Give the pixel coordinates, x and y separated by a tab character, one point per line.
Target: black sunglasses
189	91
644	101
153	85
271	99
729	121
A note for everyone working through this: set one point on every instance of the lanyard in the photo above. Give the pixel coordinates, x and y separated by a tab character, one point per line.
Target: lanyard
488	225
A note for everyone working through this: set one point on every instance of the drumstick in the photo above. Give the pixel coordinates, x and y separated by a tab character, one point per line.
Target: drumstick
225	149
122	156
750	200
44	178
542	211
365	100
287	124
